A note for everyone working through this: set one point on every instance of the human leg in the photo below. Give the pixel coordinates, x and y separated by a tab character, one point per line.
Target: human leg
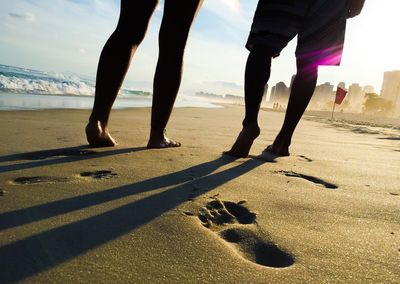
257	74
177	19
274	25
113	65
320	42
300	95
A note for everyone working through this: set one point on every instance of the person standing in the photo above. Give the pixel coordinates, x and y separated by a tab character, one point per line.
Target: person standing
320	28
116	57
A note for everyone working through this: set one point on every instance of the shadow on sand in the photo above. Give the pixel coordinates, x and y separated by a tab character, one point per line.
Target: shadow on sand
58	156
40	252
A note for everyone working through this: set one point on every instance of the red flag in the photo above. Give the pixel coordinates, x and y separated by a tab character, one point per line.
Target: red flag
340	95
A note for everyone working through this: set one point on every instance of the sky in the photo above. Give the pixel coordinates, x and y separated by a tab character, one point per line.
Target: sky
68	35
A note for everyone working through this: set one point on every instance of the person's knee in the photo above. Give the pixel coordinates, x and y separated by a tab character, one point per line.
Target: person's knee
173	36
262	51
306	66
307	70
172	50
127	35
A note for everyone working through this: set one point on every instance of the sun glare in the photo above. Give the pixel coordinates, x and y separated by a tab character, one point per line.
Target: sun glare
232	4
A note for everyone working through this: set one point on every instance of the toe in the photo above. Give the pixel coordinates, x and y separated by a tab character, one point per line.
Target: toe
166	143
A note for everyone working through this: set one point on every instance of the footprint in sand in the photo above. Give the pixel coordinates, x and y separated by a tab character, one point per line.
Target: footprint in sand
102	174
309	178
304	158
236	224
39	179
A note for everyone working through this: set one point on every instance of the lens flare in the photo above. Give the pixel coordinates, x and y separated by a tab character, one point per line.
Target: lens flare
232	4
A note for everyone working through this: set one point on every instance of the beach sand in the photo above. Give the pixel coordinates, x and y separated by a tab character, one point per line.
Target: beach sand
329	213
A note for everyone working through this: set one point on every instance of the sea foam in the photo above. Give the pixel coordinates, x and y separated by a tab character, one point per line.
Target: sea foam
26	81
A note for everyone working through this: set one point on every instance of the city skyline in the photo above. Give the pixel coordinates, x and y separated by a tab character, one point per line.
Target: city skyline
356	94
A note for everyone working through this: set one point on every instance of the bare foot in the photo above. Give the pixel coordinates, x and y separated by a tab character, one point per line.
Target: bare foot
162	143
97	136
241	147
280	151
159	140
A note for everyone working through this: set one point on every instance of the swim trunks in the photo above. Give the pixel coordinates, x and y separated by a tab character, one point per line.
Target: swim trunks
320	27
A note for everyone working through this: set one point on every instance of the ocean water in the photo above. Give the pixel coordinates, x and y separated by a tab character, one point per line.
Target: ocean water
23	89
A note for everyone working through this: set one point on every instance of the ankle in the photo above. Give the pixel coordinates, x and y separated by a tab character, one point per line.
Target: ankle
96	126
157	133
282	141
250	124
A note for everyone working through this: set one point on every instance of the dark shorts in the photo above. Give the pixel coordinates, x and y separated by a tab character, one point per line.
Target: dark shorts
320	27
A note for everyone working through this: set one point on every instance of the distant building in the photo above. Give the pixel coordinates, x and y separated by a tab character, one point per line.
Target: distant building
272	95
322	95
280	93
266	90
368	89
355	93
228	98
391	87
355	96
265	96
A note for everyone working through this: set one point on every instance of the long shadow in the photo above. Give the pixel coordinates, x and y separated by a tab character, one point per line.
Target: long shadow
43	211
27	257
45	154
58	156
389	138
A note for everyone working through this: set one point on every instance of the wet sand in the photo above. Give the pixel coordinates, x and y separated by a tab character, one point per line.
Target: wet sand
329	213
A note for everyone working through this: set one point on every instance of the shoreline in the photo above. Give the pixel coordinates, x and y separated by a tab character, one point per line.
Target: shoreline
16	102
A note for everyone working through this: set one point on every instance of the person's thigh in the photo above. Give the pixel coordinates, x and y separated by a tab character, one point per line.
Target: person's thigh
177	20
135	16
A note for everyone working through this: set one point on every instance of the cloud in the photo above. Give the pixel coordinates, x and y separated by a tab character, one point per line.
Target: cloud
26	17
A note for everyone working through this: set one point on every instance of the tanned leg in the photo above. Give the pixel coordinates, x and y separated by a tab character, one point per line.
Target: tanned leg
113	65
177	20
302	90
257	74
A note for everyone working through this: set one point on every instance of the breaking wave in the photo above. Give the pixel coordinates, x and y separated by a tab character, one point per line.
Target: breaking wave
27	81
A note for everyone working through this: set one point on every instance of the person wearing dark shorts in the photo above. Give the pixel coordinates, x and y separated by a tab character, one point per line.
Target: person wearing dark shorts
320	29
